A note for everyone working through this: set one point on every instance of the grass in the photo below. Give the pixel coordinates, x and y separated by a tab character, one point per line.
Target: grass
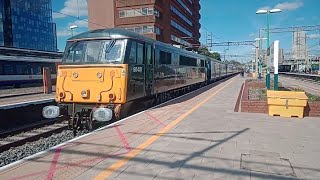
263	94
313	98
258	94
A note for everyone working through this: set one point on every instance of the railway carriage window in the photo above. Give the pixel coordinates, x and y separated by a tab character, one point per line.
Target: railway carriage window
168	59
149	55
157	56
175	58
165	57
140	53
36	70
1	70
133	53
187	61
22	69
202	63
162	57
8	69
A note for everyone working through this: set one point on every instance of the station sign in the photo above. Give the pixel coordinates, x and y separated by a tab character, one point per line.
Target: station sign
273	52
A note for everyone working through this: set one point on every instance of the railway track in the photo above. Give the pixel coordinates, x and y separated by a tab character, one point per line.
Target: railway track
309	87
36	132
27	127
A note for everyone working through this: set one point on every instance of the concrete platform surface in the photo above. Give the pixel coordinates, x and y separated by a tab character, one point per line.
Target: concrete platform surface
25	100
195	137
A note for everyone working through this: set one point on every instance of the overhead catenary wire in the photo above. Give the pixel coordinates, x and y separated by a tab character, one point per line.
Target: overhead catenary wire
103	26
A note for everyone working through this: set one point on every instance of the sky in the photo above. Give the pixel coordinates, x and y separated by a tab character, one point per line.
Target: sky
227	20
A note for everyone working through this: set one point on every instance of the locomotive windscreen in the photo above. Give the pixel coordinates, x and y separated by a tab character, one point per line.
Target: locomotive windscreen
97	51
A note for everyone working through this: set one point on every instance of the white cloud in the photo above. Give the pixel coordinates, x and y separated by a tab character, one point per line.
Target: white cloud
77	8
313	36
63	33
285	6
57	15
289	5
265	7
80	23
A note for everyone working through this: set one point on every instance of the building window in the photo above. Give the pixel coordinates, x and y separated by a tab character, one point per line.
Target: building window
144	29
181	41
180	28
177	12
122	14
146	11
185	6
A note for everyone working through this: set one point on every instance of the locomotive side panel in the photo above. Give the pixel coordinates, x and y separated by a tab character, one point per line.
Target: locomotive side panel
174	70
136	70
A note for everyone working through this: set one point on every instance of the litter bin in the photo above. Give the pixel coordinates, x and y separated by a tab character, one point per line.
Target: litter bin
286	103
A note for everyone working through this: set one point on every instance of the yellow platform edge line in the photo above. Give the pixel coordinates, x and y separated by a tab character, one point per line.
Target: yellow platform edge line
117	165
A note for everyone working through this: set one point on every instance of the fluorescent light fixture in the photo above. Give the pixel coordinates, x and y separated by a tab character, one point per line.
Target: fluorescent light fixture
73	26
275	10
262	11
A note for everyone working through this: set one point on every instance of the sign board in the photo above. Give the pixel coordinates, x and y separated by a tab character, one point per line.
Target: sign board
273	56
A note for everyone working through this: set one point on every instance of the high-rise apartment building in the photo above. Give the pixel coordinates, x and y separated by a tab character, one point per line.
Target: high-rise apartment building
299	46
170	21
27	24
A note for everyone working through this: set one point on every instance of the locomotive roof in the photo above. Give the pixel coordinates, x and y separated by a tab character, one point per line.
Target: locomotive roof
112	33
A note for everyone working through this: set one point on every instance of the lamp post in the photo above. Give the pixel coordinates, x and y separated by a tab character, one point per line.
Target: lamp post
73	27
259	63
263	11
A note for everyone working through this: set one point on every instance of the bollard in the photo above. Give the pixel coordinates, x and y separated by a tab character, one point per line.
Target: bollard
47	82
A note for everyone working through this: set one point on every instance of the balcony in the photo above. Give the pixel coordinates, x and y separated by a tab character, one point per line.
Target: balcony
127	3
136	20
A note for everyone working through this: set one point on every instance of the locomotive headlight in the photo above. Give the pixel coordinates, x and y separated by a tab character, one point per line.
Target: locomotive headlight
51	112
102	114
75	74
99	75
85	93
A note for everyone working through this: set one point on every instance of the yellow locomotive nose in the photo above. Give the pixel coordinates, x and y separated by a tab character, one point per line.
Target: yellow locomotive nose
107	84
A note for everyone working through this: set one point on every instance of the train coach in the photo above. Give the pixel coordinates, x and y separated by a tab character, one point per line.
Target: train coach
19	66
107	71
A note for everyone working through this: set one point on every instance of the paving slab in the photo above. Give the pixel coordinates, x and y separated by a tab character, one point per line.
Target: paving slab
190	138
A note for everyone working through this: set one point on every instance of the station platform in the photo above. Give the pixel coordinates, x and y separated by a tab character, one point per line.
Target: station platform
196	136
25	100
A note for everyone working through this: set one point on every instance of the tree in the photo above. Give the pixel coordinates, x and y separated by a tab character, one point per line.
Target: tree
205	51
216	56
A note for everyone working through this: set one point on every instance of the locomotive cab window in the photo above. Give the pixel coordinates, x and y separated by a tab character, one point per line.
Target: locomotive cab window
136	54
133	52
140	53
98	51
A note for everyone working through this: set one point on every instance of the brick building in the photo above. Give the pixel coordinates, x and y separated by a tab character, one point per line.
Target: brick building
169	21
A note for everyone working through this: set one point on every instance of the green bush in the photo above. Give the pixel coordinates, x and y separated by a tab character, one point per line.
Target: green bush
313	97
